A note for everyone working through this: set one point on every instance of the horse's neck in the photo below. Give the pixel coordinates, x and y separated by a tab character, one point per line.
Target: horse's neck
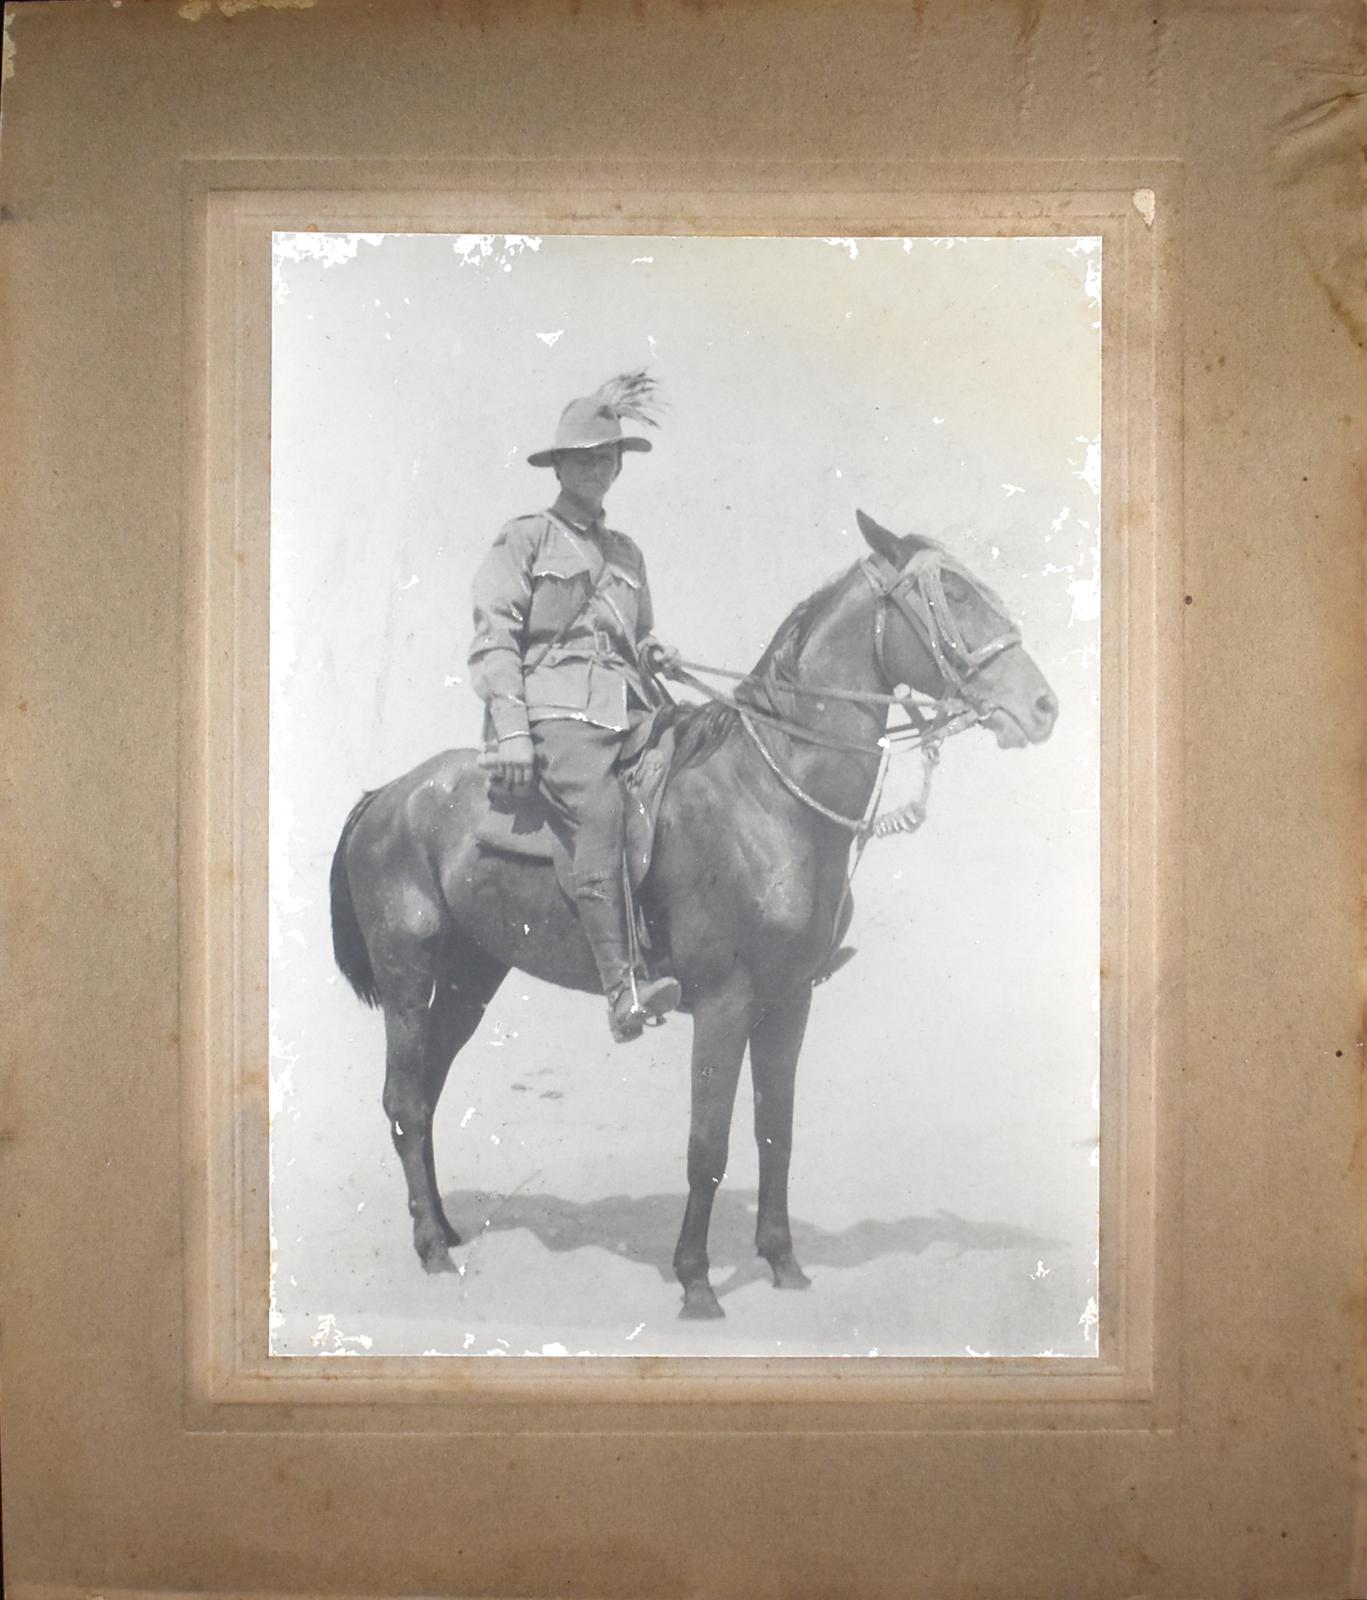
837	654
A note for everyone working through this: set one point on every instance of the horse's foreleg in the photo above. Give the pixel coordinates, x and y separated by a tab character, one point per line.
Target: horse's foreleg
466	981
720	1028
775	1045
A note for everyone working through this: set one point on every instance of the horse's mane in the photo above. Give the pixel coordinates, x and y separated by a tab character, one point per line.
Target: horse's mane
701	730
705	728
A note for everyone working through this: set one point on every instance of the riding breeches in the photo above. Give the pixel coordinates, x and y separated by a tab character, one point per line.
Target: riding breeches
576	769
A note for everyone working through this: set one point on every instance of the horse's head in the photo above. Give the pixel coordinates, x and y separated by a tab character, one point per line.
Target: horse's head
943	632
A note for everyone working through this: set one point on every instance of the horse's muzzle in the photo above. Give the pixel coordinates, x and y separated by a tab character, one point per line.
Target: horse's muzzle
1032	725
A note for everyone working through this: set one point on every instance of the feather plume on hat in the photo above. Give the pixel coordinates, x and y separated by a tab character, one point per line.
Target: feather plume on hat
635	395
597	418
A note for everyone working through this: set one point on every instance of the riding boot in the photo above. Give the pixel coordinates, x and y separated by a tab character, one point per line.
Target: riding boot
600	894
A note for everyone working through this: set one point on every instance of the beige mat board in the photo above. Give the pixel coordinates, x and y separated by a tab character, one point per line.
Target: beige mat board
152	1444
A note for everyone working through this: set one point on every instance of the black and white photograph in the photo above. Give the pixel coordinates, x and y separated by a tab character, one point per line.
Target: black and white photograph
684	825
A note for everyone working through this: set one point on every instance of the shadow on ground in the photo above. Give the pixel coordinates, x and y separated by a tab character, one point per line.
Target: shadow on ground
644	1229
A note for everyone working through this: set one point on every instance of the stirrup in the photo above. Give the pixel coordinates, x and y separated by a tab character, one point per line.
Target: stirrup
637	1004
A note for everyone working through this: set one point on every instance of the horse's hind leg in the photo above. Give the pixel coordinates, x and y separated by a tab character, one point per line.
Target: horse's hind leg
466	980
406	977
425	1022
775	1045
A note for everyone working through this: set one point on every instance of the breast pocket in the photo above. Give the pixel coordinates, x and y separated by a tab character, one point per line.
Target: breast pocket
560	585
623	590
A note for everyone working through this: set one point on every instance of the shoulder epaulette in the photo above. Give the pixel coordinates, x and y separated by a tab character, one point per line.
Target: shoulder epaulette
628	542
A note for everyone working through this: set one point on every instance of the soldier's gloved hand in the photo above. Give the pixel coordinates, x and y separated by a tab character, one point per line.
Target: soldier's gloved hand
663	658
511	762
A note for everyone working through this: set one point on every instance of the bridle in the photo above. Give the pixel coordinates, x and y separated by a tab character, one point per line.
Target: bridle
917	591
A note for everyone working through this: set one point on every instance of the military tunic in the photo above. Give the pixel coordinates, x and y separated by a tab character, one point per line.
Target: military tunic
562	613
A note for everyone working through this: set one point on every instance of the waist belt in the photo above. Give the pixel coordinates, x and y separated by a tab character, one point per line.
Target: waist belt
597	641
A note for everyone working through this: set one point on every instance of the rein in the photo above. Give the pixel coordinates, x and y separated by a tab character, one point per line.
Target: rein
917	591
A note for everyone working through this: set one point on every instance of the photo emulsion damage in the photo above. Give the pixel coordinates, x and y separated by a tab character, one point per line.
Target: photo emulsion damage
684	775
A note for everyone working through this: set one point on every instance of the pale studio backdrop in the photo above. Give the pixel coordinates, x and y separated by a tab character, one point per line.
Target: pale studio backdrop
944	1186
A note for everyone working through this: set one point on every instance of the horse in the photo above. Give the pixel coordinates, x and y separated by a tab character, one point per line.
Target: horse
747	897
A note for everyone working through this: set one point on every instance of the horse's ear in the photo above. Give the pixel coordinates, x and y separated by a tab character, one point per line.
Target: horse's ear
879	540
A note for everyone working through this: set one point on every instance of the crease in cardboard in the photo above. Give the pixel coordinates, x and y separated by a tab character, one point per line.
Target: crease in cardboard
1315	160
1030	16
1158	48
916	51
1091	48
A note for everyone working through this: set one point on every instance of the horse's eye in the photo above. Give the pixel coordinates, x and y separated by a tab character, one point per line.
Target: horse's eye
956	591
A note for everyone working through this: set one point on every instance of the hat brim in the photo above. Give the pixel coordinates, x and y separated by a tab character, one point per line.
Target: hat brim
546	458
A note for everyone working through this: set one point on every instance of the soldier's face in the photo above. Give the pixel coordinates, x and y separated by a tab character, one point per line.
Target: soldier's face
589	474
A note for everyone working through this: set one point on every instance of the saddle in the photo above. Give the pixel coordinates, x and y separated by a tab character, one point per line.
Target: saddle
521	824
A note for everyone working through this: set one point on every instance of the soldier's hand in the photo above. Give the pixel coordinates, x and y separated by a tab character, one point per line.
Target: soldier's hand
663	658
511	762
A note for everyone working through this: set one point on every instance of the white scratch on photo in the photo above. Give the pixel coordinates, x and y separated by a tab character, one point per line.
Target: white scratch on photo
329	1339
1090	470
476	248
1085	594
328	249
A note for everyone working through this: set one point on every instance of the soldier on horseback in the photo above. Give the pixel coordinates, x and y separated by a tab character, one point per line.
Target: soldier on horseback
565	658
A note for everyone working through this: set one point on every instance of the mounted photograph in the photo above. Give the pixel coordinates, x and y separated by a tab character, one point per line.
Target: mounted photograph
684	796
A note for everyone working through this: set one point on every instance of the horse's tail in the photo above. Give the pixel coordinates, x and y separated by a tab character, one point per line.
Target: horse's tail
348	942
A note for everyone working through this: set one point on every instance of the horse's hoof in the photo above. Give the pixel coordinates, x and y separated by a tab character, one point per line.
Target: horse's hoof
845	953
700	1304
788	1275
436	1259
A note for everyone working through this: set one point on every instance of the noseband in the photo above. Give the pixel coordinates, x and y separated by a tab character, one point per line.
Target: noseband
917	590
